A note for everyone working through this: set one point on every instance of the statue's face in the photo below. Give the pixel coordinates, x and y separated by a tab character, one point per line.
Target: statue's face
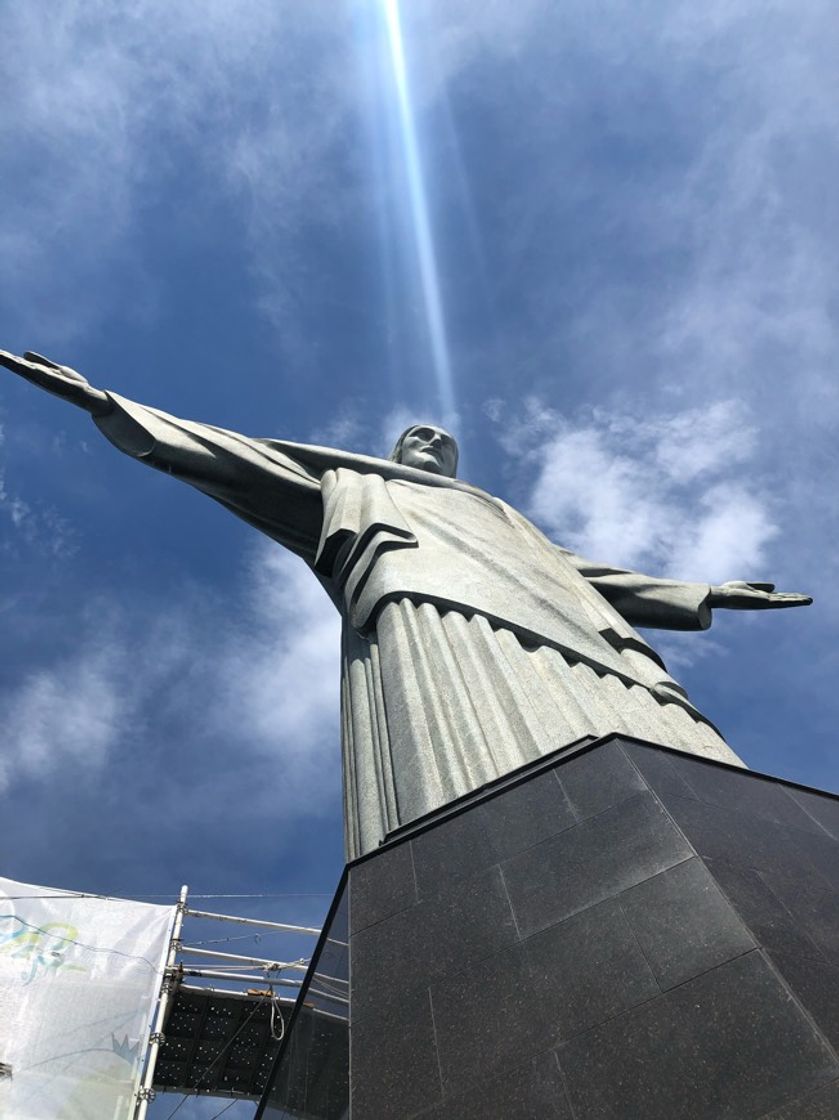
429	449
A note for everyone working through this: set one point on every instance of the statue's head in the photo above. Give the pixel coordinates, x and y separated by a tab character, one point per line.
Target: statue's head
428	448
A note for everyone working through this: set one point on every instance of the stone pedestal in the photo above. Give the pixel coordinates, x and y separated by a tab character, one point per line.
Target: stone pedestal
619	931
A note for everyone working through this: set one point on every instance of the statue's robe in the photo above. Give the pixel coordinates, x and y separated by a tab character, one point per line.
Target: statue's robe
471	643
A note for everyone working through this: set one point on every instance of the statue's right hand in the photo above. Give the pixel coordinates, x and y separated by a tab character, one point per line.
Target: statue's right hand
62	381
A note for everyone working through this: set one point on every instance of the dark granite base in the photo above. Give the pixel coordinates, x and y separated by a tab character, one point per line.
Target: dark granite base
623	931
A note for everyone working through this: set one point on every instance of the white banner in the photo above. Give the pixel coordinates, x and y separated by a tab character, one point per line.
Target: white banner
79	977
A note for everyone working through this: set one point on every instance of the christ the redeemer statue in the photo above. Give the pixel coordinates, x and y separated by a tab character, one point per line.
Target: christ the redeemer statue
471	643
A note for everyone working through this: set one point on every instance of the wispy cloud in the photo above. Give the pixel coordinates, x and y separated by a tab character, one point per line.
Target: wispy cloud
731	215
348	430
672	229
65	718
101	101
260	671
27	525
276	679
665	492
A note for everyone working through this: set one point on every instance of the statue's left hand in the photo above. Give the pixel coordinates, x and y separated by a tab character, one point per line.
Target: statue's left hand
738	595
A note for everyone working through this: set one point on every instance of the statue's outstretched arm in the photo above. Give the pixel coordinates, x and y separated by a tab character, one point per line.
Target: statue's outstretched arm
61	381
668	604
259	483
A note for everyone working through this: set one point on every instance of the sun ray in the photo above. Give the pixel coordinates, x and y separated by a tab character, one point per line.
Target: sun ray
420	217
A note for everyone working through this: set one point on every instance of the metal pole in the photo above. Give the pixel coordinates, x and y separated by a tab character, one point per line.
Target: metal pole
146	1091
215	974
288	1004
253	922
269	966
331	979
325	995
299	965
212	974
201	990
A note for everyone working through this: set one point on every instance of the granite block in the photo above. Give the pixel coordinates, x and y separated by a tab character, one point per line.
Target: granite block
430	939
816	984
486	1018
593	861
599	779
822	851
381	886
510	821
683	923
526	814
394	1072
823	1104
534	1091
453	849
658	770
760	908
813	911
747	840
821	807
728	1045
742	792
563	980
589	968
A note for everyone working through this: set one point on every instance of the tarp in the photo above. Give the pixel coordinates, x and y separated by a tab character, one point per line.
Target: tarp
79	976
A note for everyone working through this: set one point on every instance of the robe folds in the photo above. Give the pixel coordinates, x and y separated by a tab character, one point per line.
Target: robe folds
471	643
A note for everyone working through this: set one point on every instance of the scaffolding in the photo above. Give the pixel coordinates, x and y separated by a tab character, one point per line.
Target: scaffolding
220	1016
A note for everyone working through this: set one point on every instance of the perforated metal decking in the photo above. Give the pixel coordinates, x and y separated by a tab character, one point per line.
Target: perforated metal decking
218	1043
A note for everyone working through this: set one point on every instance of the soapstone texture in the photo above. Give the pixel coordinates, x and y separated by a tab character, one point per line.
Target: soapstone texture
472	644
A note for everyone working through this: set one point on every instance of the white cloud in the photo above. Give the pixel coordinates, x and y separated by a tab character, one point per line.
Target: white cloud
66	717
101	98
277	676
674	493
697	442
272	100
752	215
726	537
684	651
259	671
346	430
691	149
39	527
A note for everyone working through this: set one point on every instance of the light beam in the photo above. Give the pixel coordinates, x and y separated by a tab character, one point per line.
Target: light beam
420	219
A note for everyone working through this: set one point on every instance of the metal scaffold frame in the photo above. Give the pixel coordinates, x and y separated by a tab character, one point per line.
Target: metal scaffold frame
146	1091
227	967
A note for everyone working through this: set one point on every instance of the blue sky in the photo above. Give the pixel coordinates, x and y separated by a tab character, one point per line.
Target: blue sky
622	296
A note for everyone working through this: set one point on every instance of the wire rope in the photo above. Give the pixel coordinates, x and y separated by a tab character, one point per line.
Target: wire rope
215	1060
226	1108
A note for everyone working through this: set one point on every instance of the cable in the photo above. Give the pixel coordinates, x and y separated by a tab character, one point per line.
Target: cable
216	1115
241	937
276	1011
